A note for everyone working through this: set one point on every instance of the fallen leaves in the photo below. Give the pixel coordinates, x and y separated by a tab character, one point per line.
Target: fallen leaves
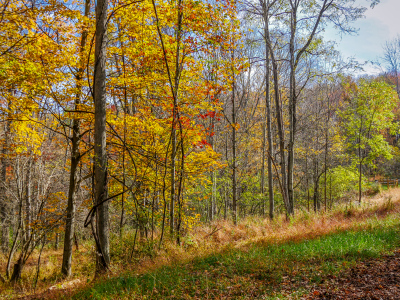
372	279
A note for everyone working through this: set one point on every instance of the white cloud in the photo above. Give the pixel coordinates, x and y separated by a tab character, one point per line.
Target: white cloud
379	25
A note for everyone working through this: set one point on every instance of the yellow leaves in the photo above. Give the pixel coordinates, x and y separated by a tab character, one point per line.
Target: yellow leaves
28	136
236	126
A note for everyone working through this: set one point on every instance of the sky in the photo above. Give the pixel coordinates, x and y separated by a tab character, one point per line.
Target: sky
381	24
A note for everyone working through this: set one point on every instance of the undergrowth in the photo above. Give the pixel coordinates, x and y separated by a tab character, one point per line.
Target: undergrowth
257	270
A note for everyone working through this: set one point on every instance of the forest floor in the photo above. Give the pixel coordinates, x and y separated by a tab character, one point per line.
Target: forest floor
351	252
370	279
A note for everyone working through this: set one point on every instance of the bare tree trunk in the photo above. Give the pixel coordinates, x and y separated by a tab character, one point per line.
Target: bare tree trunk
316	171
214	195
28	201
308	188
16	275
100	151
268	114
225	188
121	221
361	161
173	179
262	183
326	153
225	204
234	180
70	218
57	241
281	132
5	226
317	205
279	117
175	118
17	271
330	191
360	183
292	110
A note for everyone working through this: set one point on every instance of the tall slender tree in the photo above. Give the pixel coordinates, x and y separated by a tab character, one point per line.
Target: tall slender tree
100	151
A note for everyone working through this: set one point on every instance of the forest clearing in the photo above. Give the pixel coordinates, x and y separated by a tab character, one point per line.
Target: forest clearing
198	149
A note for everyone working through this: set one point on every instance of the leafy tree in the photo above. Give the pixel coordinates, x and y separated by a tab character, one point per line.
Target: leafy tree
367	115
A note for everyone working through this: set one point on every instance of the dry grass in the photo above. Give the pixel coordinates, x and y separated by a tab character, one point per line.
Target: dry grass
202	241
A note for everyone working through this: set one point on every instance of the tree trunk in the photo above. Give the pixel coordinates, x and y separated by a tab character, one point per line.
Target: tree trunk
279	117
262	183
316	190
57	241
173	181
5	226
326	153
234	182
281	132
100	154
292	112
75	158
360	160
268	117
308	188
295	57
175	118
17	271
70	220
360	183
18	266
28	201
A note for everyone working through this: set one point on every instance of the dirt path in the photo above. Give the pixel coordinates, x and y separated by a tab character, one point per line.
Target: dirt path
372	279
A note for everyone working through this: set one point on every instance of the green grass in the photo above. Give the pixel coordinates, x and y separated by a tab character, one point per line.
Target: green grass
263	271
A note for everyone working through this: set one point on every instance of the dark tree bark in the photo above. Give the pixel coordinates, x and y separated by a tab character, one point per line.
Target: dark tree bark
234	179
100	153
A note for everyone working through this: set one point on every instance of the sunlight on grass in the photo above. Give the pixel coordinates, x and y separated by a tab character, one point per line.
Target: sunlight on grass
258	268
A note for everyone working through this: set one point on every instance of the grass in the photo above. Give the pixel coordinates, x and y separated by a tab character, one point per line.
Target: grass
256	257
257	270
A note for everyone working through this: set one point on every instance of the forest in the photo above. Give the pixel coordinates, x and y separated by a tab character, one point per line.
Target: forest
135	131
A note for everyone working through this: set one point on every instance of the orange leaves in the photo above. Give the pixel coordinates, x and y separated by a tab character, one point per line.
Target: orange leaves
236	126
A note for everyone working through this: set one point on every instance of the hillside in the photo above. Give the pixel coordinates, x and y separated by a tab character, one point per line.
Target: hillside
308	257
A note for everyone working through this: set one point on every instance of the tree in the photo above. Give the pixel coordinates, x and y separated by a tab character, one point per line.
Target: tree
100	153
75	152
266	6
368	112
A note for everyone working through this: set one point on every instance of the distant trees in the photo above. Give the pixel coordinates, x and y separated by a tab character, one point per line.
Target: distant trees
391	58
293	46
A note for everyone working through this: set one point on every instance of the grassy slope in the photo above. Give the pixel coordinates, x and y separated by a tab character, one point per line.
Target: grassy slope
258	271
256	257
265	267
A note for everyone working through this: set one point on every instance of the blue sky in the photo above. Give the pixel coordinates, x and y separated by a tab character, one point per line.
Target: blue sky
380	24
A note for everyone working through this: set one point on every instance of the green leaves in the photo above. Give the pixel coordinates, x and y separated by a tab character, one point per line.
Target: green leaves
368	118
